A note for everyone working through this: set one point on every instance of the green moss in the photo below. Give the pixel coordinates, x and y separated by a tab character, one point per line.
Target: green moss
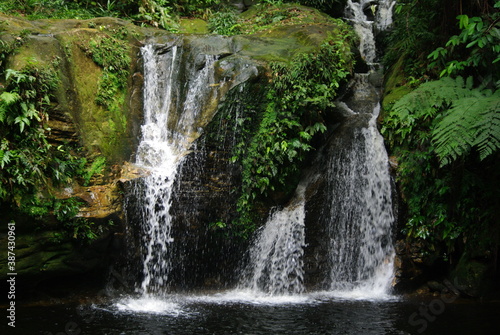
265	17
193	26
395	86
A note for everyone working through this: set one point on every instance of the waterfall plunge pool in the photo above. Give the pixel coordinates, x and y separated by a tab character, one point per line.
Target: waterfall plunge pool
231	313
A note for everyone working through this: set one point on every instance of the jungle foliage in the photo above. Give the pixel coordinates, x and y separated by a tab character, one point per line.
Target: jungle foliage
446	132
301	93
157	13
32	167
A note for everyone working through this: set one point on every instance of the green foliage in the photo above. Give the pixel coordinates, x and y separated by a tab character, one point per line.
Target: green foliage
414	34
436	131
475	51
157	14
224	23
97	167
66	209
458	117
81	229
334	8
471	122
30	165
27	159
264	17
111	51
299	95
112	54
46	9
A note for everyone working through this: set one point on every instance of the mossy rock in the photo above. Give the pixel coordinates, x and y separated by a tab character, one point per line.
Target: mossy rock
63	44
472	277
265	17
193	26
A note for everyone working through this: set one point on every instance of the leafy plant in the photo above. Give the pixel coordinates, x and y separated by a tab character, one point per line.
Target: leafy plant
25	153
224	23
458	117
66	209
299	96
476	48
81	229
30	165
436	131
97	167
157	14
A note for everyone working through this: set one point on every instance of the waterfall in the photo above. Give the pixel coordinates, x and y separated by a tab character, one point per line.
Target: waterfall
276	265
367	16
361	211
358	208
168	129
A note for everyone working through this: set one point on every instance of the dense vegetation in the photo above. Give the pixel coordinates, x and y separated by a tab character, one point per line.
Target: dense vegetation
34	164
158	13
446	132
32	167
300	95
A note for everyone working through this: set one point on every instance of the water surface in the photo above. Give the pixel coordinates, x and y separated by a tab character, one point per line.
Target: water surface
228	313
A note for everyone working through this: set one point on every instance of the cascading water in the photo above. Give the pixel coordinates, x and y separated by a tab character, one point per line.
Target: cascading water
168	128
361	217
359	210
367	16
276	266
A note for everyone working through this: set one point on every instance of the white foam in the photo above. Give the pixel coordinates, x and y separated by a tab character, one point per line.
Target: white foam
152	305
248	296
356	294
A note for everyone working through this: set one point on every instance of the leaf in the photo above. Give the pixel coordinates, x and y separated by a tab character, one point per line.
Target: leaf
472	122
487	126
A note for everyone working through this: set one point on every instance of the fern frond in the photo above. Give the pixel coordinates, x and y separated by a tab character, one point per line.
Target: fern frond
453	136
487	127
471	122
461	118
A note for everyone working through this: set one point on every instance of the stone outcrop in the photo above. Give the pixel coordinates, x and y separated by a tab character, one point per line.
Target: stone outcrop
45	250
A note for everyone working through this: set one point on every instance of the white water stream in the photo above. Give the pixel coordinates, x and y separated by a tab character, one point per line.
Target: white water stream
276	265
361	252
165	141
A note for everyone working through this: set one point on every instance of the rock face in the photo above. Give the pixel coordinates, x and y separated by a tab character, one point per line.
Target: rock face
208	183
45	247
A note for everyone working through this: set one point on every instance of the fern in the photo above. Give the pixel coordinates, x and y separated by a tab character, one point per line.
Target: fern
420	107
472	122
459	117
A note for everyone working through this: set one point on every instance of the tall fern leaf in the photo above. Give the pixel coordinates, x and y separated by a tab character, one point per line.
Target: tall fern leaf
462	118
453	136
471	122
487	126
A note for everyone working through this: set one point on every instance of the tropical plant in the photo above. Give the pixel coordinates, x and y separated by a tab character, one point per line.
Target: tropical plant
29	162
475	51
461	117
300	94
224	23
437	132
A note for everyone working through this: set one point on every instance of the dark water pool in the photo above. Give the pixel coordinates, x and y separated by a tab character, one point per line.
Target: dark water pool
220	315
